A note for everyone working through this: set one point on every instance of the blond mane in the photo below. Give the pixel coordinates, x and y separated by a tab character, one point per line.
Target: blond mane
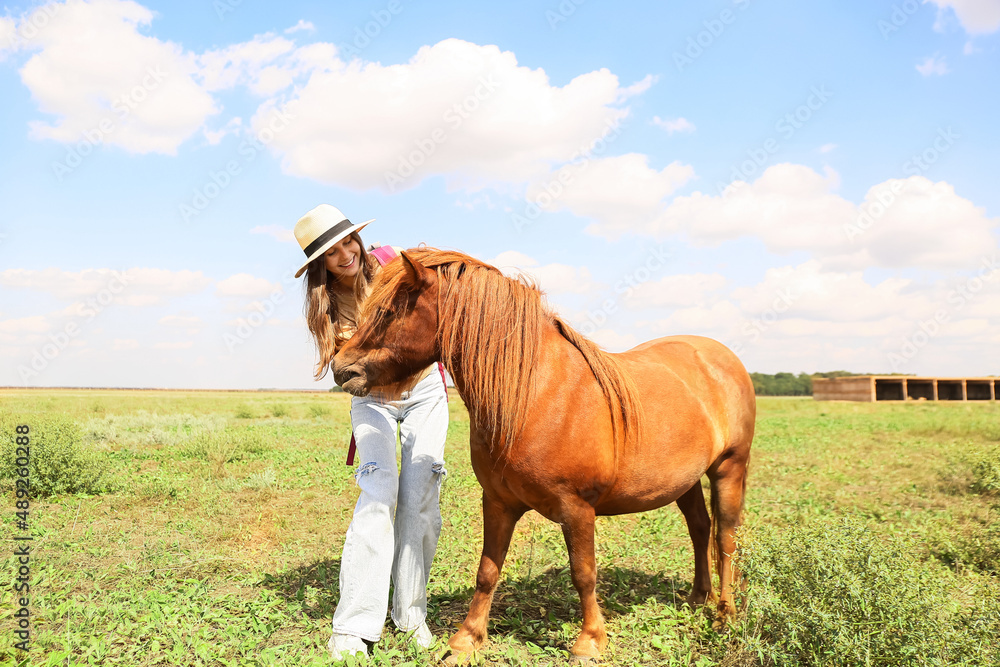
490	330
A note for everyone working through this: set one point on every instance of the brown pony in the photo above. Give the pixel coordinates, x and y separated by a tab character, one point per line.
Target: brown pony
558	425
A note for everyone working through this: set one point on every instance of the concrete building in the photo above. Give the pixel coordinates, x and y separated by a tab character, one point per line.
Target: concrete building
870	388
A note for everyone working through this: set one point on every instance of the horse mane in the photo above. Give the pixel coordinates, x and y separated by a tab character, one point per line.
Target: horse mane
493	324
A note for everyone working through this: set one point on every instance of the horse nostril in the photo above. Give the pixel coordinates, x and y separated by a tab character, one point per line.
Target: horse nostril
344	375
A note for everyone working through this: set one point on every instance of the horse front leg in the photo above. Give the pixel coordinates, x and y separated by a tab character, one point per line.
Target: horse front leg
498	526
578	529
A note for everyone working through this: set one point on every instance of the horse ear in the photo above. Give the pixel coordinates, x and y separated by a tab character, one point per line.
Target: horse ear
416	273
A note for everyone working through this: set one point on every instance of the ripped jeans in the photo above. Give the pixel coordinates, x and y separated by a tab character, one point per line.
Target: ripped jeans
397	521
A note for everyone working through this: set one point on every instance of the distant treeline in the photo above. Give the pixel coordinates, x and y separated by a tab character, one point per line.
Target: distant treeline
789	384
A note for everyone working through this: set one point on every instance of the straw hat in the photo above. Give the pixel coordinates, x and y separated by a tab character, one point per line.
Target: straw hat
320	228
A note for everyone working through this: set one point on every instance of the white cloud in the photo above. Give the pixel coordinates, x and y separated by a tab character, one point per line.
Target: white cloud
214	137
672	125
676	290
245	64
976	16
132	287
806	317
180	321
244	284
622	193
22	325
933	65
106	82
703	320
98	74
124	344
509	259
791	207
8	35
456	108
551	278
614	341
179	345
810	291
301	25
827	148
277	231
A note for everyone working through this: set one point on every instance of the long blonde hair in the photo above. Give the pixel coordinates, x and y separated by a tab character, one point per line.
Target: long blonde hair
320	308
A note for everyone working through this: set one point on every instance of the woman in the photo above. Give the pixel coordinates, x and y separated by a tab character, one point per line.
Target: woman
396	524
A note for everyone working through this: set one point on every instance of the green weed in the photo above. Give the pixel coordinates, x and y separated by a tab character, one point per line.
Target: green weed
220	542
59	461
986	472
318	410
836	592
245	412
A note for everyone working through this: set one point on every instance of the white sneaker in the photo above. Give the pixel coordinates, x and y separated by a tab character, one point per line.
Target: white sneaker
342	646
422	635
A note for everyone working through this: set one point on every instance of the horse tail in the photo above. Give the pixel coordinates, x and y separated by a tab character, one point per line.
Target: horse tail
618	386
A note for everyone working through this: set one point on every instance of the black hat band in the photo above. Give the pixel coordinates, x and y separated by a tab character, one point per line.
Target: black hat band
326	236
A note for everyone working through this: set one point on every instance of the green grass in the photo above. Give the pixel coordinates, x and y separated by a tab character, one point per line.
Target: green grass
220	542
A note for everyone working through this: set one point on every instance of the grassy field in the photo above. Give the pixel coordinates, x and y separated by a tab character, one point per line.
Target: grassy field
213	537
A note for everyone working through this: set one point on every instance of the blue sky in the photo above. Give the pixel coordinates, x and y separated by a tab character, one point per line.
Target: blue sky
813	184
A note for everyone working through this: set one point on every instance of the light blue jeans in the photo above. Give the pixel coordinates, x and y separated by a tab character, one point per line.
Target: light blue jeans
397	521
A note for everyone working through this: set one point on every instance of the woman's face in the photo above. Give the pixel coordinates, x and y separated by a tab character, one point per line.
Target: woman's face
343	260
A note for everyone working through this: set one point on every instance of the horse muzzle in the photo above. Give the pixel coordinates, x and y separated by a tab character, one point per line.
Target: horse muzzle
352	379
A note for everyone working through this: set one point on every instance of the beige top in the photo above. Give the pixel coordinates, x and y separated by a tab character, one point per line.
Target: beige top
347	308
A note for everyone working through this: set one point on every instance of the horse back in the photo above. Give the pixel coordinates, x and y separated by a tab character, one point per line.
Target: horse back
689	371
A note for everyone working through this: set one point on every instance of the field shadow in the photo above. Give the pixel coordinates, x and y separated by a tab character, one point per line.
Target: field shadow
534	609
526	608
322	575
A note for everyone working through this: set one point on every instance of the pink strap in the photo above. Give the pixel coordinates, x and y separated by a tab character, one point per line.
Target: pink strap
351	449
444	380
384	253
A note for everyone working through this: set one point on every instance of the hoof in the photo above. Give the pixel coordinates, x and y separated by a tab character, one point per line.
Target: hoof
722	622
583	659
696	600
454	659
721	626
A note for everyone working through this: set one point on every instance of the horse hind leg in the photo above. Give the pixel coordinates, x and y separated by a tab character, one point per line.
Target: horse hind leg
728	478
692	506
